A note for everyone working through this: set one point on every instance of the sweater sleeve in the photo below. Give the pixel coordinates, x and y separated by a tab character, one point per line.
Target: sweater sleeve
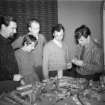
45	62
68	56
44	40
17	43
18	61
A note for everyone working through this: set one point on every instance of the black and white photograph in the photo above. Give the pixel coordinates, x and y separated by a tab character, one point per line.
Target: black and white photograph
52	52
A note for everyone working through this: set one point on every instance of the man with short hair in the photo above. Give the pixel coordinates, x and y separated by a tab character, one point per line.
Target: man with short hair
37	54
8	64
56	56
90	61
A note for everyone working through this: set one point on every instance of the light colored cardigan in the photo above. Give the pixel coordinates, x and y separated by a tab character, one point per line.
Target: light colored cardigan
54	57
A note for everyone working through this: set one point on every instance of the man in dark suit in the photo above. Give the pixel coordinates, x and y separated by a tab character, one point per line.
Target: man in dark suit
8	64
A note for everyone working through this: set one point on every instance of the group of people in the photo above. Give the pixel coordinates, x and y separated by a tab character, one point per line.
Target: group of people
31	58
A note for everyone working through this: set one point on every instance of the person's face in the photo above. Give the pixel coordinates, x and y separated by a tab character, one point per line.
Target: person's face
59	35
82	41
35	28
31	46
10	29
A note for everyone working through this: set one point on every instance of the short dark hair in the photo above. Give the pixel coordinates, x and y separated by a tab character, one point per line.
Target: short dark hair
58	27
83	30
6	20
28	39
31	21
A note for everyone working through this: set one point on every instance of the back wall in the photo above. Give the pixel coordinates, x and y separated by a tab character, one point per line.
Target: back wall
75	13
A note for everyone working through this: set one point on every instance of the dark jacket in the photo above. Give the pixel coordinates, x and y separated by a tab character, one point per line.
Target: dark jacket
8	64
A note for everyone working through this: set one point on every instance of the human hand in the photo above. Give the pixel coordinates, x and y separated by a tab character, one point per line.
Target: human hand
77	62
74	60
17	77
22	82
69	65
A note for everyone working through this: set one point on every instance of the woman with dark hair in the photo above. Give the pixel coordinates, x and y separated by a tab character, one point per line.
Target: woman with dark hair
25	63
89	63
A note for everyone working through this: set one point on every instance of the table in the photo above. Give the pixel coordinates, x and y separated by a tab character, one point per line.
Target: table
64	91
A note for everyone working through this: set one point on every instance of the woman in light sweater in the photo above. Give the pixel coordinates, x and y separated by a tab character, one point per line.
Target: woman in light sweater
56	54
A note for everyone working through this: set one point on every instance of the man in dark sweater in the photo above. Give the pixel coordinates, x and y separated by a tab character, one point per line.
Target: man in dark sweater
8	64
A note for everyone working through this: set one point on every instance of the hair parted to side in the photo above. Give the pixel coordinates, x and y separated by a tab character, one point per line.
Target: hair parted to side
28	39
58	27
83	30
6	20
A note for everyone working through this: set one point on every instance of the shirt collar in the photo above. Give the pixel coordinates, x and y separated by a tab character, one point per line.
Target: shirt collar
57	43
6	40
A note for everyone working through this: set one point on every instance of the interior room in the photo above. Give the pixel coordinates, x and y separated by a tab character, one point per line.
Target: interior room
56	90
